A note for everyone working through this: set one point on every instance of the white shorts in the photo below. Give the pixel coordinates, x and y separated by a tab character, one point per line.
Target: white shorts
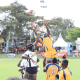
49	59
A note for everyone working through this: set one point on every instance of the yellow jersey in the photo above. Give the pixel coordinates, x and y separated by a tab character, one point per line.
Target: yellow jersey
49	49
59	60
65	74
52	70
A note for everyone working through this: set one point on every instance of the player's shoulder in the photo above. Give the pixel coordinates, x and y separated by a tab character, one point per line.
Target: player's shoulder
47	65
32	53
27	52
54	65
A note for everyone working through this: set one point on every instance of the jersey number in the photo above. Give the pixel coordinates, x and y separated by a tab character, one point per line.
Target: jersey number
53	70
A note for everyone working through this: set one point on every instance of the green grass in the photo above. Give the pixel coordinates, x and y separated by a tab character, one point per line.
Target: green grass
8	67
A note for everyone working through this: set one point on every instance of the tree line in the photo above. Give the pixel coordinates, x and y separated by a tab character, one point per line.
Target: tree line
16	23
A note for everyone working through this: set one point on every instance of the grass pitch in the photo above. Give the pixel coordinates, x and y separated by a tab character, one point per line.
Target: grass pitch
8	67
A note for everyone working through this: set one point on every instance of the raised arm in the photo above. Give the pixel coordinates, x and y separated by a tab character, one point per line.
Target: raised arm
37	39
25	57
44	22
33	29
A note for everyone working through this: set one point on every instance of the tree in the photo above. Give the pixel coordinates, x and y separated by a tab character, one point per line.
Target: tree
16	19
73	34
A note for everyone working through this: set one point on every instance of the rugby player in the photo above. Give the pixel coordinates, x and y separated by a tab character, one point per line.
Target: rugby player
32	60
58	61
22	66
65	73
51	69
50	51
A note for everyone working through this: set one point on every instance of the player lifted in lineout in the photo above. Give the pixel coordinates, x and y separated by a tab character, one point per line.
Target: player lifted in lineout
50	51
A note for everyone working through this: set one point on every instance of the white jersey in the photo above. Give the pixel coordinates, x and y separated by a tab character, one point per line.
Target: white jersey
24	63
33	56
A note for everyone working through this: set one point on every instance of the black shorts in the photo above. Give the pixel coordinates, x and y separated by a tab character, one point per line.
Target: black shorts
31	70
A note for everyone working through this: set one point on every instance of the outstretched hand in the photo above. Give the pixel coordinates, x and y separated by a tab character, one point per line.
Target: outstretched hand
32	25
44	21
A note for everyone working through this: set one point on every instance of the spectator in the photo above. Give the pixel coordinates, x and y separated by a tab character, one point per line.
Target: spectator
64	57
76	53
26	42
14	48
17	50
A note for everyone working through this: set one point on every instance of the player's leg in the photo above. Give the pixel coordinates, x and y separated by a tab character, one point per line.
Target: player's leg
30	77
22	74
49	57
34	72
27	72
44	62
34	76
48	60
26	75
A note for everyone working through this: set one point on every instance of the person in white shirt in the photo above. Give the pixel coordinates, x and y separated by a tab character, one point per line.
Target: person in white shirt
22	67
22	64
32	62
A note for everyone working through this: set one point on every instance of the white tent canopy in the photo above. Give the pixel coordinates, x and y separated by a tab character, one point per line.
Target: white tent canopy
60	42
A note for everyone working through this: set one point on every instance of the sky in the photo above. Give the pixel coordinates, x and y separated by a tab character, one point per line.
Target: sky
66	9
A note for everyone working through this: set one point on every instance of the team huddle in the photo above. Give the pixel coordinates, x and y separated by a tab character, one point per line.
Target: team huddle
28	65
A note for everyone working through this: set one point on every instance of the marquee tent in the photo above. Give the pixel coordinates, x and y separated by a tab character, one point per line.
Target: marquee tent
60	42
